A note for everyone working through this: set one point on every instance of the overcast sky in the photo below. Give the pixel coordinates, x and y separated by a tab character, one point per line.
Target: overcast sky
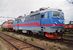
14	8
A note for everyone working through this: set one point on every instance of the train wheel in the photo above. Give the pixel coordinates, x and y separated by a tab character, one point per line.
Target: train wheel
60	36
29	32
20	31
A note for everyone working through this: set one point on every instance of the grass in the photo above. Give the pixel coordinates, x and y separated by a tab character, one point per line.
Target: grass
0	29
32	39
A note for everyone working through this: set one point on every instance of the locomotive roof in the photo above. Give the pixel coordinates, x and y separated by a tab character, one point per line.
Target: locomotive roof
46	10
38	12
20	17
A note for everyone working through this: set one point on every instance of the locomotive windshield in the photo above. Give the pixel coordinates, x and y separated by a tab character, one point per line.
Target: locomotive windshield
56	13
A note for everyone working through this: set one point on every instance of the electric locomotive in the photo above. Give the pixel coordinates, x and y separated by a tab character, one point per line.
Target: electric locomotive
46	22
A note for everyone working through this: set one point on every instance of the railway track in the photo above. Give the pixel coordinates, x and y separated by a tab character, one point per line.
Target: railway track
68	41
17	44
67	38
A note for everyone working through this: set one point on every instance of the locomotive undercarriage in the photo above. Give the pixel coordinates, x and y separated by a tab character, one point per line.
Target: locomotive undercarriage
50	35
53	33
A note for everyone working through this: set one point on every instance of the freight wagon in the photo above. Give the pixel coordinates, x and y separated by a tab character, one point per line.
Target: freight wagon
7	25
69	27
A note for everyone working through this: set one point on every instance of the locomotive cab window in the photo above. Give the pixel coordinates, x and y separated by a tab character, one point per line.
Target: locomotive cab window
42	16
46	15
18	20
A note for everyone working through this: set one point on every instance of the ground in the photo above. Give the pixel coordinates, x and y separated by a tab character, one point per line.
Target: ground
47	45
41	43
2	45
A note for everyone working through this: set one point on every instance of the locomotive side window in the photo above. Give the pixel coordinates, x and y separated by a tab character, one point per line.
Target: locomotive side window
35	17
46	15
32	17
27	18
22	20
18	20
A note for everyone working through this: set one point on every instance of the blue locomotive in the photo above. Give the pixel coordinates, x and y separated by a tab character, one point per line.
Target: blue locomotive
46	22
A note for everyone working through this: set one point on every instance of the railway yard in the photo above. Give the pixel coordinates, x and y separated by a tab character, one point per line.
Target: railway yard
36	25
14	41
17	44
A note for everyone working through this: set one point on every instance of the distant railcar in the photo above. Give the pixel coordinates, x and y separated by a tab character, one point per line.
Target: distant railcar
7	25
44	22
68	27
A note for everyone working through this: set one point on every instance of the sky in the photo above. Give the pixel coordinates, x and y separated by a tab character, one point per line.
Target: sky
10	9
